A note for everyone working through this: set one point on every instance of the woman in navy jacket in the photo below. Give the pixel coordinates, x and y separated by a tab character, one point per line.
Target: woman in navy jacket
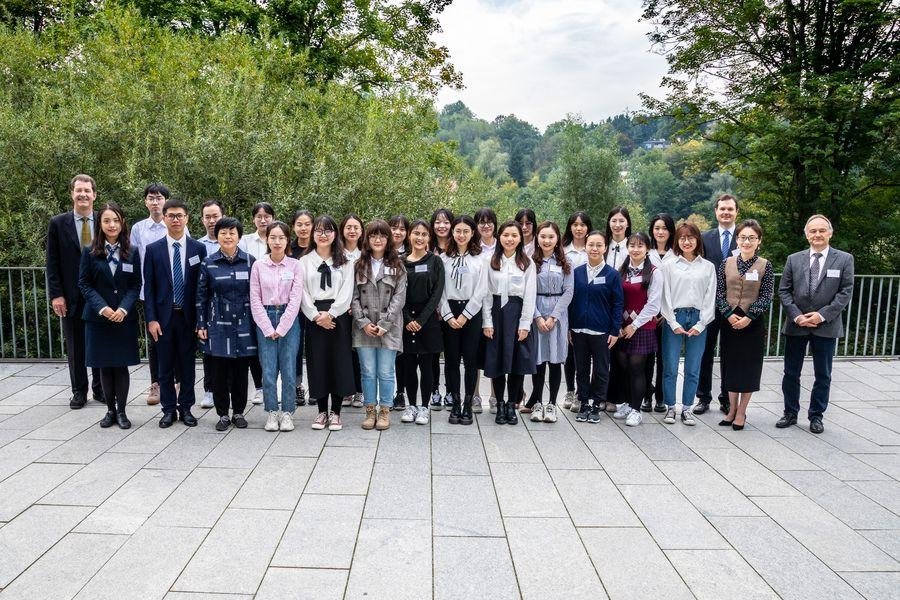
595	318
110	281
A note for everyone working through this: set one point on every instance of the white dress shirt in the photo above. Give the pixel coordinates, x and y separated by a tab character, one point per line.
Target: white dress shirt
212	246
341	289
485	249
529	248
824	253
575	256
253	245
616	253
183	253
689	284
658	261
654	299
471	275
510	280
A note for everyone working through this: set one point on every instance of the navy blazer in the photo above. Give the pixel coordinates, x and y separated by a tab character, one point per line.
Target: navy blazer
101	288
63	259
597	306
159	297
712	246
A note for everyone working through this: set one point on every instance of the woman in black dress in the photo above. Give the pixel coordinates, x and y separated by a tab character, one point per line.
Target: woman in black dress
110	281
303	224
746	283
399	225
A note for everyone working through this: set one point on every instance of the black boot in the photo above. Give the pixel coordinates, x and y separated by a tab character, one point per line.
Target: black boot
501	417
512	415
465	417
108	420
647	405
455	410
122	420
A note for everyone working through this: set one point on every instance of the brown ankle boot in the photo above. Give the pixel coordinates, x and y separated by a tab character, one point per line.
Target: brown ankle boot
384	418
369	421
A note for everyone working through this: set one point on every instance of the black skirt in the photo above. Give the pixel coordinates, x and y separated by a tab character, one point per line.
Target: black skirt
111	344
504	353
428	340
742	353
329	357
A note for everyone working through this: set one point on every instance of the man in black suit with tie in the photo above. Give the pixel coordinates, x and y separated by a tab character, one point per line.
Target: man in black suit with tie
171	273
718	244
67	235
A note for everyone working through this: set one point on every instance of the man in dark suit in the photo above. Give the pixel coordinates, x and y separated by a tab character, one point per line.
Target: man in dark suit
718	244
171	272
67	235
815	288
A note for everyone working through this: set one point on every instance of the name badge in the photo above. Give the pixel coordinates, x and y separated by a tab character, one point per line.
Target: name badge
735	252
388	270
638	279
555	269
242	275
463	270
833	273
751	276
194	260
287	276
599	280
127	268
515	280
421	268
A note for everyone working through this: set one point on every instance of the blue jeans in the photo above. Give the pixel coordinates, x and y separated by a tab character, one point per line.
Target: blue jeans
693	353
376	370
279	356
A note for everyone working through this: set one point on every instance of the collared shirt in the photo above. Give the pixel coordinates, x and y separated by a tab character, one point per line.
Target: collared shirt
485	249
824	253
145	233
689	284
616	253
470	269
656	260
182	252
377	264
276	284
529	248
353	255
340	290
212	246
592	273
575	256
722	231
510	280
113	266
90	219
253	245
654	296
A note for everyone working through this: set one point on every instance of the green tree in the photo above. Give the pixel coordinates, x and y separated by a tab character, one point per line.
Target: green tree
519	139
588	172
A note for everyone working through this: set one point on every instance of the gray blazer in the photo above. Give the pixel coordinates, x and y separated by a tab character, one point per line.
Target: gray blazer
380	302
829	298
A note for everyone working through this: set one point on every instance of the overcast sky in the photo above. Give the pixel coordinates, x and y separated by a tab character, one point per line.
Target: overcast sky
542	59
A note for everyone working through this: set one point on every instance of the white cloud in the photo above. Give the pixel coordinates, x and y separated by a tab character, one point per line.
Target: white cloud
542	59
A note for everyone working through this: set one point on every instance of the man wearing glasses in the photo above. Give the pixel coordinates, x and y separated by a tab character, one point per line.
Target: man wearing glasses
171	272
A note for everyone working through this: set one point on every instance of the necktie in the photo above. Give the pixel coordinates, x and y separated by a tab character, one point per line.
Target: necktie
615	256
85	232
726	243
111	256
325	278
177	275
814	272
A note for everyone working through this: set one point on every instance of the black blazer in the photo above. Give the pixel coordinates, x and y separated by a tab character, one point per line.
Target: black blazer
100	288
712	246
158	292
63	260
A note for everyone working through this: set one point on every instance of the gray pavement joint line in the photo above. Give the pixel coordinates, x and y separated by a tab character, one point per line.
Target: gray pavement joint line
362	514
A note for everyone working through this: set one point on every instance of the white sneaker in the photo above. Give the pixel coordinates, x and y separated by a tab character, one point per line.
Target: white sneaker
272	421
622	411
357	401
207	401
493	403
257	396
537	413
422	416
287	422
476	404
409	414
634	418
550	413
576	405
670	415
568	400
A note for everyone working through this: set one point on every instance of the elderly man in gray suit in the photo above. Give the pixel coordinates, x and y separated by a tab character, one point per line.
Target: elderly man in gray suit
815	288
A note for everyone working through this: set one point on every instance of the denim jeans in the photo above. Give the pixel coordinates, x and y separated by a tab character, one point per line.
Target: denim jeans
693	354
376	369
279	356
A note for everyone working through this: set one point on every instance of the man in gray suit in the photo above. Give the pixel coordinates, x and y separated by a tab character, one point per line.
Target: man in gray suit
815	288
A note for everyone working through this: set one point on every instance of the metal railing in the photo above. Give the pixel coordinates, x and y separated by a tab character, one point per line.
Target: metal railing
29	330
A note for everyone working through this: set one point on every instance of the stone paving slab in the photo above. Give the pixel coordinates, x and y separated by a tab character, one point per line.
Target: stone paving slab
566	510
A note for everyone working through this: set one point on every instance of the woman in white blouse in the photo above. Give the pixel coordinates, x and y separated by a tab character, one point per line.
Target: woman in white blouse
688	306
575	246
511	285
527	220
460	309
254	244
351	236
662	238
326	302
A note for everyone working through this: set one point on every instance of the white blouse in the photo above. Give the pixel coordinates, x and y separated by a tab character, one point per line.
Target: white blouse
616	253
658	261
575	257
341	289
510	280
471	273
689	284
253	245
654	298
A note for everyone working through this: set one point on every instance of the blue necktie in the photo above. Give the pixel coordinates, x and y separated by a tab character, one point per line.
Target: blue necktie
726	243
177	275
111	254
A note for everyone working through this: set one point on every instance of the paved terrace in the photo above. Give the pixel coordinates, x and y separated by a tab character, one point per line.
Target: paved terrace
533	511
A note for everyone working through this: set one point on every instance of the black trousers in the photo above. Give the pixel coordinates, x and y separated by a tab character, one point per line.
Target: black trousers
461	345
513	385
634	376
593	379
436	371
73	332
357	374
336	403
654	389
176	348
256	372
569	369
115	382
822	350
538	379
412	365
400	373
229	383
704	386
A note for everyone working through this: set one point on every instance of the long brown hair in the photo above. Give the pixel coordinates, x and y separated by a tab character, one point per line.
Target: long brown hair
474	246
98	245
522	259
558	252
391	258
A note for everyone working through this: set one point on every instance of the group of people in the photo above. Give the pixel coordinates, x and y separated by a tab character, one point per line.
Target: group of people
370	307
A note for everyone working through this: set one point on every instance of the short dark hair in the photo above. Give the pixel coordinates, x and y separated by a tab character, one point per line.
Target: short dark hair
157	188
212	202
228	223
84	178
174	203
749	223
265	206
726	197
691	230
486	214
527	213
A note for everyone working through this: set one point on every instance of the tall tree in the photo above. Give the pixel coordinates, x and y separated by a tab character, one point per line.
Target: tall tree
519	139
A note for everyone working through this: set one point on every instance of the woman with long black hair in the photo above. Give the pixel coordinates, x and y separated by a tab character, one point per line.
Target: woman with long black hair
574	245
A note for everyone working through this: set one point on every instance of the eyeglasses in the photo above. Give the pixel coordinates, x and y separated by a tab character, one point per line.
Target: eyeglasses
485	224
747	238
176	216
377	236
686	238
324	232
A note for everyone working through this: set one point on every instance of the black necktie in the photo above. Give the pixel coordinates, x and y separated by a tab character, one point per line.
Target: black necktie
325	279
814	272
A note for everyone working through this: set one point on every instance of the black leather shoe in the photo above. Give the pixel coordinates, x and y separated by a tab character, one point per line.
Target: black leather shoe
786	421
79	399
188	419
725	405
122	421
167	420
647	405
465	416
455	410
512	416
725	423
223	423
108	419
815	425
659	406
239	421
500	418
701	407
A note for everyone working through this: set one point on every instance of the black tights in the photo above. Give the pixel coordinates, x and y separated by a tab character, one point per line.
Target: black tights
424	364
634	377
336	402
513	385
570	369
115	382
537	383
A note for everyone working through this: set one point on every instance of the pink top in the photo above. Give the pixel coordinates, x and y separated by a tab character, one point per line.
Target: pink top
275	284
